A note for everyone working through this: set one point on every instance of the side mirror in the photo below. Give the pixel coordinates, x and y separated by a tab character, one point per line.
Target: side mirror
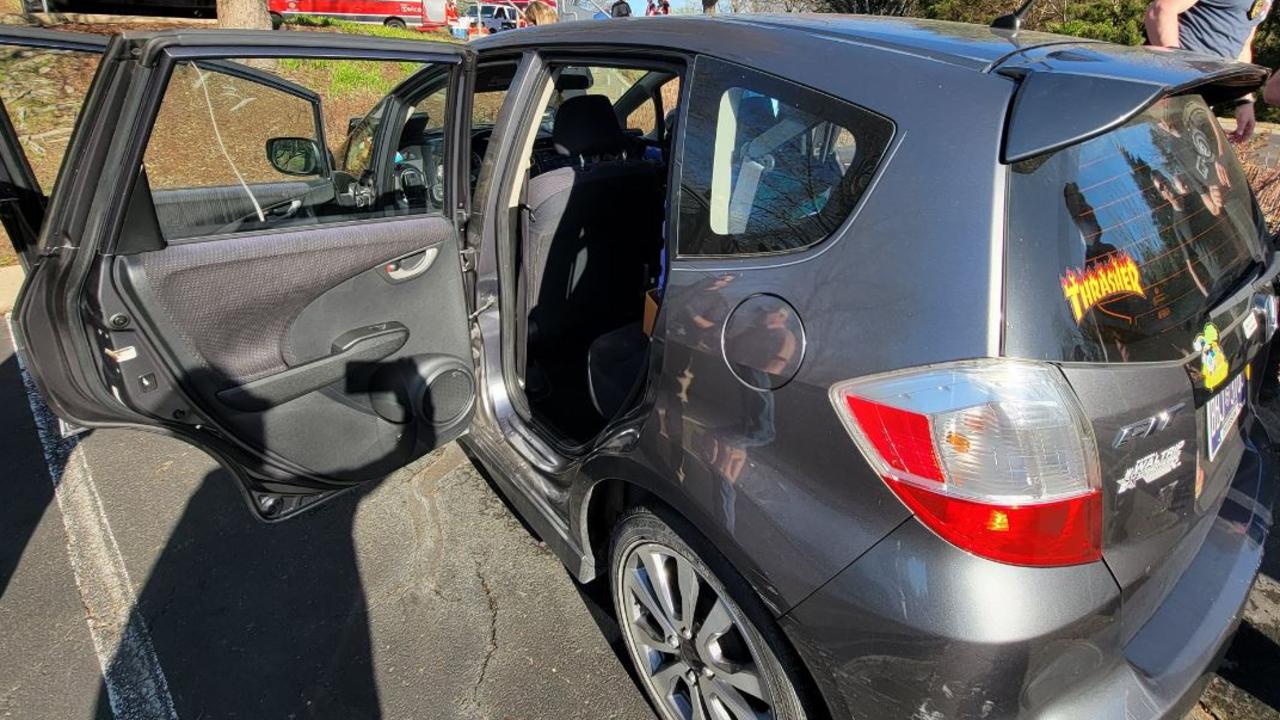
295	156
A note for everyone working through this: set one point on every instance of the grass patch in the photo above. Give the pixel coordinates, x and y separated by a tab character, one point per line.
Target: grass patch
353	76
344	77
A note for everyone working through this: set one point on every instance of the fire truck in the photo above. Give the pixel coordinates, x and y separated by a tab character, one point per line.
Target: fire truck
418	14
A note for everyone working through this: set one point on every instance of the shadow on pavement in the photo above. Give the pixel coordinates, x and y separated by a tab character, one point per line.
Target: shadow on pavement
28	492
256	620
261	620
1252	664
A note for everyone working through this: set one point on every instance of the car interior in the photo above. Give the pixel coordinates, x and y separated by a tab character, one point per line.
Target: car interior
590	244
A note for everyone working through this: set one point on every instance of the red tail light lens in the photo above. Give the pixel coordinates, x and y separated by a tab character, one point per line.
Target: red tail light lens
1065	532
994	456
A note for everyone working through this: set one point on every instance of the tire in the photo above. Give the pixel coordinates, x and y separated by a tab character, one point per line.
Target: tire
697	651
276	21
395	23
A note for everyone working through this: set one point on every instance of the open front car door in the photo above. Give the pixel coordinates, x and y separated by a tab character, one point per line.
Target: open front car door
253	248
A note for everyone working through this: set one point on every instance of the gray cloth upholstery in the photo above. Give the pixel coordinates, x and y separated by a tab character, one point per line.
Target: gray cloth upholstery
615	362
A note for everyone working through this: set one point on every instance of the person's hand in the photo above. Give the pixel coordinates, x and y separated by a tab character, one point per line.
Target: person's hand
1245	123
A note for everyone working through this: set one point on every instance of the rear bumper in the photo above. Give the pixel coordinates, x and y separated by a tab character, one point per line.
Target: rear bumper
919	628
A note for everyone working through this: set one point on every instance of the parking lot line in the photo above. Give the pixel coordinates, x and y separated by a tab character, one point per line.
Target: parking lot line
131	671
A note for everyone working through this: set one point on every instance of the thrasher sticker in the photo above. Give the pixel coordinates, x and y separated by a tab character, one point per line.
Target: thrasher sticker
1115	275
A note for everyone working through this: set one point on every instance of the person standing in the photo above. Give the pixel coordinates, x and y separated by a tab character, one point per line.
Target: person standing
1224	28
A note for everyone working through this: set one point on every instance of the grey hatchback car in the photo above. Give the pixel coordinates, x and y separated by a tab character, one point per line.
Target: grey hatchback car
882	368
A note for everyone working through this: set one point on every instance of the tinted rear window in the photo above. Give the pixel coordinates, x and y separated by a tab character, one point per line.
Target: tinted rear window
1119	246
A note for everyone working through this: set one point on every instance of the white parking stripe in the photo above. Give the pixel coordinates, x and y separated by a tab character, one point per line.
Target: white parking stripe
131	672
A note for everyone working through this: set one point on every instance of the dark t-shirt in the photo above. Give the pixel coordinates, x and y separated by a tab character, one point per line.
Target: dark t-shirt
1220	27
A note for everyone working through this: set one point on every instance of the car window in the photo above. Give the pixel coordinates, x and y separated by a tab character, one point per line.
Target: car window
612	82
645	116
770	166
1130	239
239	147
487	11
42	91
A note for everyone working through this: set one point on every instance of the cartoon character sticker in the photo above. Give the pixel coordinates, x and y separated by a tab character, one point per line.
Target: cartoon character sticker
1213	362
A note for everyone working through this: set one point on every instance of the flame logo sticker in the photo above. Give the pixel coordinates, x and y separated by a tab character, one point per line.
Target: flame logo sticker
1116	274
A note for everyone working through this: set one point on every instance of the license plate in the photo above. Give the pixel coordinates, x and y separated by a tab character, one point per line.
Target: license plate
1222	412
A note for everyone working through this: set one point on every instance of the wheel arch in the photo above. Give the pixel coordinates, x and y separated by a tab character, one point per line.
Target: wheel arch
607	500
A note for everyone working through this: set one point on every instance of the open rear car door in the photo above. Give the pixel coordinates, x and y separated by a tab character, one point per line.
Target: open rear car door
45	75
232	259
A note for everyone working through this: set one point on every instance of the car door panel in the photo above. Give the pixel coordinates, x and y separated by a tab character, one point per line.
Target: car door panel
248	308
306	357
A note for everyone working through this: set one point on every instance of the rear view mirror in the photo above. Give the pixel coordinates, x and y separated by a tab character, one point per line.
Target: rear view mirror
295	156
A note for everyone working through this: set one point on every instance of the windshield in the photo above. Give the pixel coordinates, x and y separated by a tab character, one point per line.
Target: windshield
1120	246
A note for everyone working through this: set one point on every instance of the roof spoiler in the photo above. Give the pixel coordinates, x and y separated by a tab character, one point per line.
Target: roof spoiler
1119	82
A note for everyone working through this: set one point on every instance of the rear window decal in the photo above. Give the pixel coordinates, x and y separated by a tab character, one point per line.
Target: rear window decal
1213	363
1111	276
1150	468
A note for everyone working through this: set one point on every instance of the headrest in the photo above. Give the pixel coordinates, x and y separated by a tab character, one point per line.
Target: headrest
755	115
414	129
587	126
574	78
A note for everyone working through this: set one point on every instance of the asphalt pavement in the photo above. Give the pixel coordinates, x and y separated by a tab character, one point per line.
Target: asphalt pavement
422	597
142	588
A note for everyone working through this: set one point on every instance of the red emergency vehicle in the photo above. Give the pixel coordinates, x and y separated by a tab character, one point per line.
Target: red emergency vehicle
417	14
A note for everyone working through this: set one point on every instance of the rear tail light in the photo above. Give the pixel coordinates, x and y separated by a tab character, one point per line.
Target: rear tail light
995	456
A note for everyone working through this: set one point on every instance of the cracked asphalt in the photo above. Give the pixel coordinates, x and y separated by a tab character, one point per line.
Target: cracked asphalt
422	597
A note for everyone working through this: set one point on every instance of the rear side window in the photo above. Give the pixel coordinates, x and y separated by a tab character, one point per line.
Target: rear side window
770	166
1119	246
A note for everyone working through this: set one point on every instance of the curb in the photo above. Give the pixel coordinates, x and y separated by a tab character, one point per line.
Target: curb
10	281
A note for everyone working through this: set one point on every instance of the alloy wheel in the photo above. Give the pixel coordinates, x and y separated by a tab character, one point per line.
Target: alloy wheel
687	640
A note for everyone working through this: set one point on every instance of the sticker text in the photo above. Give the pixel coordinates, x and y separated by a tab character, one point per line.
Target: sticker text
1116	274
1152	467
